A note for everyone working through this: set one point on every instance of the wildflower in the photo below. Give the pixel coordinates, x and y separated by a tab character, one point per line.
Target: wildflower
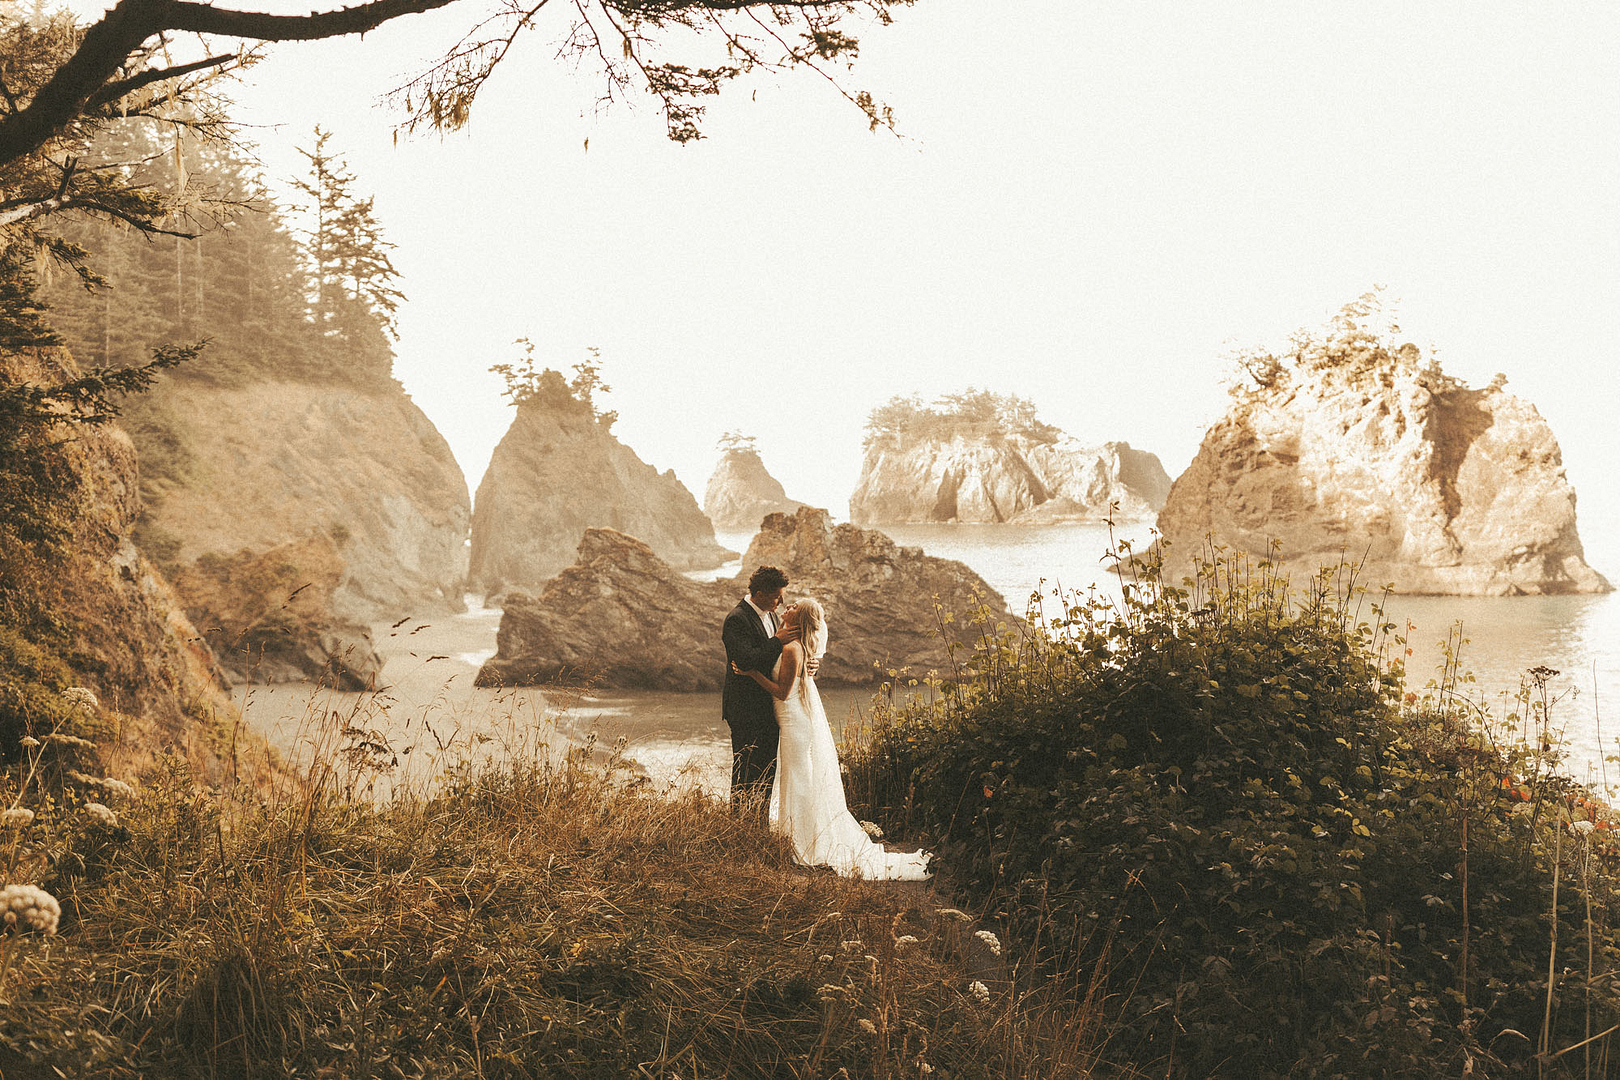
100	813
1584	828
923	1068
829	992
979	992
28	741
18	816
849	946
117	787
77	695
904	942
952	913
871	829
29	907
867	1026
825	958
990	940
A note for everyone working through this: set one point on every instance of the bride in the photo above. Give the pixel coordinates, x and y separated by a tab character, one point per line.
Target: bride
809	795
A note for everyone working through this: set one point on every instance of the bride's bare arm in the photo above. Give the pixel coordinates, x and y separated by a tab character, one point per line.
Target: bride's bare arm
792	653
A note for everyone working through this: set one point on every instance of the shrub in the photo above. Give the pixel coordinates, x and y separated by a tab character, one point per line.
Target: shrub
1212	798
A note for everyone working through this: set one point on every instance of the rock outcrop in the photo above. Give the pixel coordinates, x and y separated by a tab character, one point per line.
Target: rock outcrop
741	492
1004	478
297	513
559	471
130	640
1347	448
622	617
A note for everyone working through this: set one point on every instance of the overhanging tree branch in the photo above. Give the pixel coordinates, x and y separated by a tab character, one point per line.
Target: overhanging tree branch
113	91
109	44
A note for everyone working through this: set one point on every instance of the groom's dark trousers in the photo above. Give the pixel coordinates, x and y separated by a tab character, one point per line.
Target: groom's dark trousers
748	708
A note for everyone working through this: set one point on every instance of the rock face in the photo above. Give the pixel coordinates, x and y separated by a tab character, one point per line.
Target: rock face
1004	478
1347	448
622	617
131	642
740	492
557	472
345	500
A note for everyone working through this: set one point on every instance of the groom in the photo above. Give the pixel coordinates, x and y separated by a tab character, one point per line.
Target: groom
753	639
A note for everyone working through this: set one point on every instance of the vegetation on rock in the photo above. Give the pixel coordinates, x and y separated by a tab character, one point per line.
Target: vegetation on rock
974	414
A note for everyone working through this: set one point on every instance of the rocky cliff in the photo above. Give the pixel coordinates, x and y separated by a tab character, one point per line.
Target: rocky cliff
998	477
622	617
741	492
559	471
293	514
111	618
1348	447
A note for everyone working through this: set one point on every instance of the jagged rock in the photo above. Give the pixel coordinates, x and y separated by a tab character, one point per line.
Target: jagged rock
1004	478
268	615
132	643
559	471
1348	449
252	485
741	492
622	617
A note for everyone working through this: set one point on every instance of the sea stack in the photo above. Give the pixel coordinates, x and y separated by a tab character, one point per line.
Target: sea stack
559	471
1350	446
741	492
983	457
622	617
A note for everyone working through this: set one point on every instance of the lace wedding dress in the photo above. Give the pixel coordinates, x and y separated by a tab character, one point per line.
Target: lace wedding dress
808	804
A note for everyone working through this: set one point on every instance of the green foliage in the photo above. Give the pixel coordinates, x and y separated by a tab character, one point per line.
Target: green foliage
735	442
528	383
972	414
1213	796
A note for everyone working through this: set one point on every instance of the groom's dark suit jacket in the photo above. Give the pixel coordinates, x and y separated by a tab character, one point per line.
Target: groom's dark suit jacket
747	640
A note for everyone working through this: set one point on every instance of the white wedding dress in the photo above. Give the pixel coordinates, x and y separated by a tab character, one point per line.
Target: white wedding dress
807	802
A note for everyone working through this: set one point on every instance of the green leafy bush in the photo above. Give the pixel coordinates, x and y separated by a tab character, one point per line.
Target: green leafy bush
1215	801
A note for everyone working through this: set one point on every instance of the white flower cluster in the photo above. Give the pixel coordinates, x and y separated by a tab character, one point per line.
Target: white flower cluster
105	783
904	942
953	914
867	1026
29	907
990	940
19	817
1584	828
77	696
101	813
829	992
850	946
29	741
872	829
979	992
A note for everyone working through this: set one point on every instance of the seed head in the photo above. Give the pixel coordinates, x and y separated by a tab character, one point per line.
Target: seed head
30	908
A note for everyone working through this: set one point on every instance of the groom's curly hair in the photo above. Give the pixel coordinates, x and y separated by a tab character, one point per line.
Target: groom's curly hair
766	579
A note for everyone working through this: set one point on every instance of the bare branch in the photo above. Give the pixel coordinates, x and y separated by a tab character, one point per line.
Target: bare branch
113	91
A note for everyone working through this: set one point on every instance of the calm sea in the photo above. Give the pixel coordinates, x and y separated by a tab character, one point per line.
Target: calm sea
431	708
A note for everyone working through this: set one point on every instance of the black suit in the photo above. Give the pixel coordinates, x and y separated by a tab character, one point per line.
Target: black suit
747	707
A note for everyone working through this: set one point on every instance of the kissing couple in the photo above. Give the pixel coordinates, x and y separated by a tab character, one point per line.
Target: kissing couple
774	711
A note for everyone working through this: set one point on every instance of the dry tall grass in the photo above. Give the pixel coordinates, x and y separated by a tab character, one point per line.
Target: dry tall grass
540	916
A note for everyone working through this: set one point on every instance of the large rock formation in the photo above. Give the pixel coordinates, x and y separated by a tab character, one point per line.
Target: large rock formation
740	492
291	515
559	471
622	617
117	626
1348	448
995	477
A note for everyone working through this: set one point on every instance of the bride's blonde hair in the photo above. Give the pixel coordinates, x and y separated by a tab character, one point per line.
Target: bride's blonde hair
812	626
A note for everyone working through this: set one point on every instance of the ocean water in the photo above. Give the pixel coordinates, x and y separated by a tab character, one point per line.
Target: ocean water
430	705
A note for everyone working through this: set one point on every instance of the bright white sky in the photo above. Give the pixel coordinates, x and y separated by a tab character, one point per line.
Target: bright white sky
1092	204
